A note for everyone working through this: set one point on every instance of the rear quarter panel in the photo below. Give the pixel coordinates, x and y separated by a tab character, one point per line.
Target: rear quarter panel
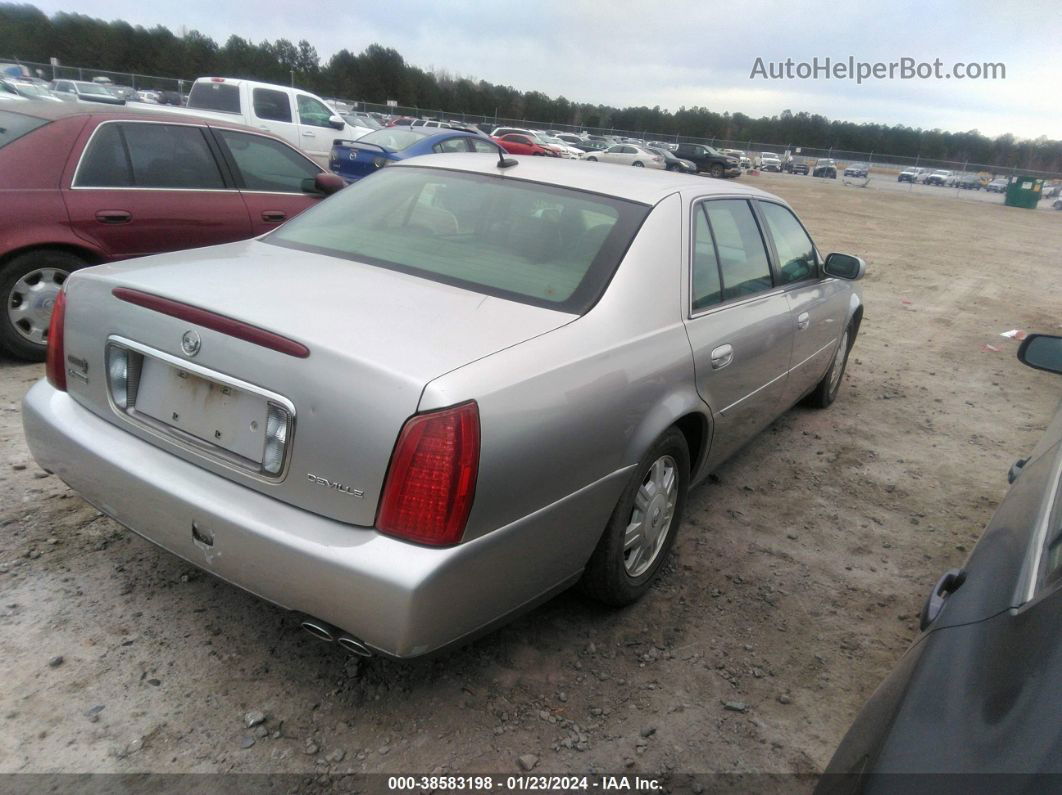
580	405
32	212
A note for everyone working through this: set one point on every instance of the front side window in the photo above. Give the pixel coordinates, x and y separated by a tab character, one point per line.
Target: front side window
796	252
267	165
742	257
271	105
313	112
531	243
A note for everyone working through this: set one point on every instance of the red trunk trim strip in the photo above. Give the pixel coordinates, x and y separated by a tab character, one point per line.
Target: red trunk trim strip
213	321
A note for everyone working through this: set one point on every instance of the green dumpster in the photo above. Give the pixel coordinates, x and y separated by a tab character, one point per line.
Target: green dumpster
1023	191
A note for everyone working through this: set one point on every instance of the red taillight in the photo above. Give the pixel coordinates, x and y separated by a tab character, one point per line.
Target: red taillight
54	363
432	478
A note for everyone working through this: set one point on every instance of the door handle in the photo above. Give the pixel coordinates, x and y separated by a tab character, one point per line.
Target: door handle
273	216
803	319
722	356
114	216
309	134
263	127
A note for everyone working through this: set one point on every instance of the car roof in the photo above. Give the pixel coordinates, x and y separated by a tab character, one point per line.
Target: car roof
53	111
647	186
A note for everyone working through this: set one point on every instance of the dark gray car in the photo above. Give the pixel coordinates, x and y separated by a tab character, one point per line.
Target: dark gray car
980	689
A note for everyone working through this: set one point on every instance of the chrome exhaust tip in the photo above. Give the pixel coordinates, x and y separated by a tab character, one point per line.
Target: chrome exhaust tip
354	646
319	630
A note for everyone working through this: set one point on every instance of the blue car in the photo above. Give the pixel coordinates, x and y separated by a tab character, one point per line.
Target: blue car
353	160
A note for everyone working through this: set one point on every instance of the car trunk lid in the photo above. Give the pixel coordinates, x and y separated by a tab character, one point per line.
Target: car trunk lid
373	337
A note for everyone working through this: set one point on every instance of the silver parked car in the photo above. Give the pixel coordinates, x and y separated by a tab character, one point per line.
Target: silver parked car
628	155
446	393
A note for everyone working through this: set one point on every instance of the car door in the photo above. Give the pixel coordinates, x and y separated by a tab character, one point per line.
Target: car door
272	113
142	187
517	144
614	154
738	322
315	128
271	177
819	306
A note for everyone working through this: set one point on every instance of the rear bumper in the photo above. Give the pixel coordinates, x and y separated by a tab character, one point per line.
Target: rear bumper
401	599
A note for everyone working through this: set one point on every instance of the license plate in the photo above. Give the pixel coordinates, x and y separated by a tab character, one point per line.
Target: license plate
221	415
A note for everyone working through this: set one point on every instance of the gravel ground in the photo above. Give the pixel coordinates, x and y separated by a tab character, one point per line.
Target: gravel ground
794	587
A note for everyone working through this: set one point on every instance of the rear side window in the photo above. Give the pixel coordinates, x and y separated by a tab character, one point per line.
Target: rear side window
224	97
271	105
527	242
796	252
267	165
451	145
312	112
105	164
14	125
707	286
480	145
171	156
739	246
145	155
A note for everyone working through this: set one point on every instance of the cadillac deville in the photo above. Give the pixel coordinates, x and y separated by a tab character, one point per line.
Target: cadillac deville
447	392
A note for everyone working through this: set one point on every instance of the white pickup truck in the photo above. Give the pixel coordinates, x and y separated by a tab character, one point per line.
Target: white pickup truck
299	117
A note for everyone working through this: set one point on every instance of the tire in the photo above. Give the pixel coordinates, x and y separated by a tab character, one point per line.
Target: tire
29	283
614	575
592	159
638	164
717	171
825	392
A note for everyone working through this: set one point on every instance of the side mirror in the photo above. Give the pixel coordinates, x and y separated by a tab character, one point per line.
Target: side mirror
324	183
845	266
1042	352
337	122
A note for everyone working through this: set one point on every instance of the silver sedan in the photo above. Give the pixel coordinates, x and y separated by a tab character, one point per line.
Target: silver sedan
446	393
628	155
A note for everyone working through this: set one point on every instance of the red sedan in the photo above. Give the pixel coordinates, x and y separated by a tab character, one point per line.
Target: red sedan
516	144
85	186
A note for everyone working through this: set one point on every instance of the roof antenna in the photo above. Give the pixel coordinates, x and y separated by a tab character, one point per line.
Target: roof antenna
505	162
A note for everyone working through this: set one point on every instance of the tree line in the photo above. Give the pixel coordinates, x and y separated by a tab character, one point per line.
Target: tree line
379	73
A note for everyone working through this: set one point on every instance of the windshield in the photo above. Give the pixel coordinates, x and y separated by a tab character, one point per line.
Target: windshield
392	139
92	88
527	242
28	89
356	120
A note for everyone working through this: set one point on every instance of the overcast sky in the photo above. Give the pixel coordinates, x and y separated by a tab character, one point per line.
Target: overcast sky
682	53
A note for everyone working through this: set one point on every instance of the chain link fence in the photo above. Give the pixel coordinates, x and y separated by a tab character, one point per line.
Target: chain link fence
879	164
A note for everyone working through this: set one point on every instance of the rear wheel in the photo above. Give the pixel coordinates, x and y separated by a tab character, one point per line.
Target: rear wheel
643	526
825	391
29	285
717	171
638	164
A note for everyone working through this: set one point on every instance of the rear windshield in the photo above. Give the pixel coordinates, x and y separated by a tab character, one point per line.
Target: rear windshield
391	139
215	96
14	125
536	244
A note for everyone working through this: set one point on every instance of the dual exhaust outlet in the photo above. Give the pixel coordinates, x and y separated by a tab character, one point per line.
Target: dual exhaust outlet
329	634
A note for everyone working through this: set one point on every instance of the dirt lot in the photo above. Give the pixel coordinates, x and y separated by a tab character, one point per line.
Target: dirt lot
794	588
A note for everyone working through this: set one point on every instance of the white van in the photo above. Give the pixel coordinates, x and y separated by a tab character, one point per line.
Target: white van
299	117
